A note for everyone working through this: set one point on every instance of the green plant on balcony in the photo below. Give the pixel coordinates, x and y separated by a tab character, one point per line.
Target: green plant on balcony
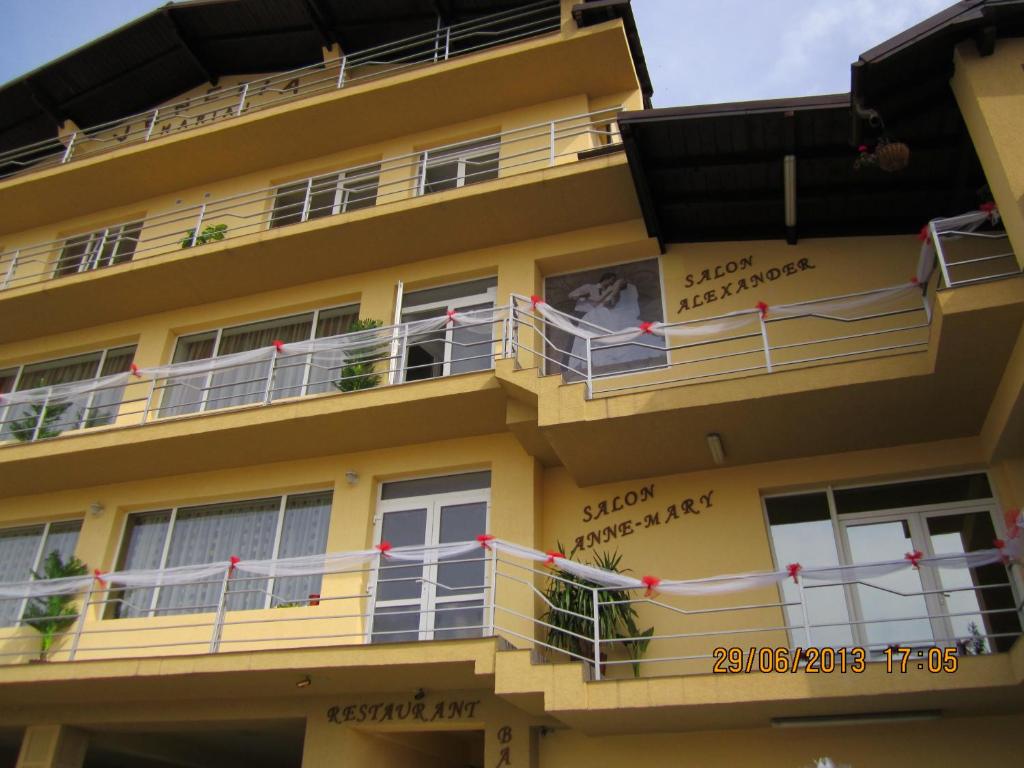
44	416
571	601
358	371
52	616
209	234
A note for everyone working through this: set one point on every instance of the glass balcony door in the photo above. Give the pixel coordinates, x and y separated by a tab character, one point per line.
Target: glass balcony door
432	597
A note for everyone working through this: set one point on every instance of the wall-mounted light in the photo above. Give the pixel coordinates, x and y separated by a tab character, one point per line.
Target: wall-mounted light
96	508
304	682
716	448
789	185
351	477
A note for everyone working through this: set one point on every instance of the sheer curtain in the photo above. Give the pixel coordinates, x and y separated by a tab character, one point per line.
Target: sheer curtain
22	419
20	555
306	520
184	394
145	537
214	533
248	383
325	367
103	407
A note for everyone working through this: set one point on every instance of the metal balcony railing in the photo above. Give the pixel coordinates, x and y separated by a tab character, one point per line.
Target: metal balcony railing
492	588
969	252
442	44
452	166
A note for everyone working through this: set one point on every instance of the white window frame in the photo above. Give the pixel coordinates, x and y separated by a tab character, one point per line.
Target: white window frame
916	517
97	240
463	154
342	191
428	599
37	561
151	611
447	305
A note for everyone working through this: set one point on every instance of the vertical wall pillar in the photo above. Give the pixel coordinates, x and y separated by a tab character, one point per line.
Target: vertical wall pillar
989	92
52	746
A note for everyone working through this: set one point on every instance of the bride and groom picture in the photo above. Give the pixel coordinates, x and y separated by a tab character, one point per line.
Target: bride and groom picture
606	300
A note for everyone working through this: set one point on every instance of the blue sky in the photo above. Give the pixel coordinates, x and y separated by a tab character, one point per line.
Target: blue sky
698	52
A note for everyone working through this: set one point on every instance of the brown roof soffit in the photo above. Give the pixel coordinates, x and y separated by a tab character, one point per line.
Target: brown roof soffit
735	108
598	11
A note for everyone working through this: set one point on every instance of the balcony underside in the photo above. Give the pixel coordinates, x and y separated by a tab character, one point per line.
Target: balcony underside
426	411
943	393
595	61
566	197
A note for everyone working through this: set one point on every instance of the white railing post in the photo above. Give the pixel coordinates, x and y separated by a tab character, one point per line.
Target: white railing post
218	620
597	634
268	391
447	42
70	148
199	224
42	416
803	608
80	622
552	148
494	591
241	101
764	340
149	400
590	369
937	245
10	270
341	71
304	216
152	124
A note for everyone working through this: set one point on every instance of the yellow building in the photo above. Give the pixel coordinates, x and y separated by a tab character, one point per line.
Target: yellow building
325	324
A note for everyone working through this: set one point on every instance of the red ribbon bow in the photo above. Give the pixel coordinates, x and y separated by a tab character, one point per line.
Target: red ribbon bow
651	582
451	316
135	371
925	234
234	560
914	557
646	328
914	280
483	538
762	308
535	300
98	575
384	548
552	556
278	345
987	207
793	569
1001	545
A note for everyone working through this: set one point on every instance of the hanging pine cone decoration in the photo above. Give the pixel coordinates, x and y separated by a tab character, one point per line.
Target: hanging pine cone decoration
892	156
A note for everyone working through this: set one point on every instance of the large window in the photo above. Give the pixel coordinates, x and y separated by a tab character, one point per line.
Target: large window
438	597
454	349
276	527
326	195
22	552
28	422
293	375
970	609
95	250
457	166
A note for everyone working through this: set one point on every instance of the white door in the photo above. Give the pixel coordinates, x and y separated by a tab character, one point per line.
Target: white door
431	598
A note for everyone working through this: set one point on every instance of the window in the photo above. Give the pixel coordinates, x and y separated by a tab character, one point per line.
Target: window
436	598
95	250
277	527
28	422
452	167
971	609
457	349
22	552
293	375
321	196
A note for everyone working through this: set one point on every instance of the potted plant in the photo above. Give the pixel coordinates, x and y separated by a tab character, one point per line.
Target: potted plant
45	417
53	615
210	233
570	599
357	373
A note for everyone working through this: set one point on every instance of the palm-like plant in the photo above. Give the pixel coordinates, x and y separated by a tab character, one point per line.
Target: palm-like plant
51	616
357	373
571	604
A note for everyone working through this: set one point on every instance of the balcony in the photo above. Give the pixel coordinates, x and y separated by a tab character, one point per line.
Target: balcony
715	631
400	89
160	261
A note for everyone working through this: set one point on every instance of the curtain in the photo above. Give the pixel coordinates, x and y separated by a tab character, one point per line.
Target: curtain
18	550
184	394
145	537
306	520
105	402
325	367
21	420
248	383
214	533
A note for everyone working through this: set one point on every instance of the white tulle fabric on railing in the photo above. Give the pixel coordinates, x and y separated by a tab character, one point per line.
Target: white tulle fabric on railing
835	309
381	556
65	393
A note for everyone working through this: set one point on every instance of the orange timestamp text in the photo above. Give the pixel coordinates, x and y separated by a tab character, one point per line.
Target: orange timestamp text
896	660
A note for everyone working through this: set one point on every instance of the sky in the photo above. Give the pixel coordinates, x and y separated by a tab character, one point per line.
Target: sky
698	52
